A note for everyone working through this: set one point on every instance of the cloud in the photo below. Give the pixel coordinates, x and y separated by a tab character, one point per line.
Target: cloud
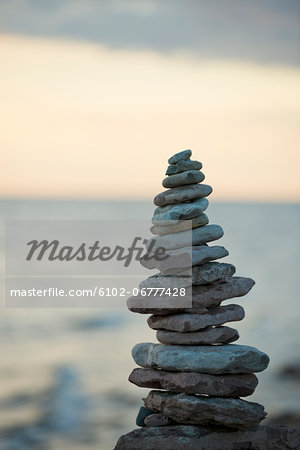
258	30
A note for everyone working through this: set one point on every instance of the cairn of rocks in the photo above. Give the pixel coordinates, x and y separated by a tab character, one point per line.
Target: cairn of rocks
196	373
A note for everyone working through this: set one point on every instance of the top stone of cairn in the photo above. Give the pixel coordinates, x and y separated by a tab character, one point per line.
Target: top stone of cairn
181	156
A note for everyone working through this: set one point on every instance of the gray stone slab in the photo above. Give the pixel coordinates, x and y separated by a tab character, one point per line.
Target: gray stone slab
192	437
181	179
207	336
238	385
213	359
182	194
180	156
183	225
205	296
186	322
202	410
182	166
168	215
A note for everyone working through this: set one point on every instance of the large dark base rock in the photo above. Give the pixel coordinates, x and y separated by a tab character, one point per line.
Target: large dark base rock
189	437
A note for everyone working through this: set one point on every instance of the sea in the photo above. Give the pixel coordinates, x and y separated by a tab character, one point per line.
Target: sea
64	371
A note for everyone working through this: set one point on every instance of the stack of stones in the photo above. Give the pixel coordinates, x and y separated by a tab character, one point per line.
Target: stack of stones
196	373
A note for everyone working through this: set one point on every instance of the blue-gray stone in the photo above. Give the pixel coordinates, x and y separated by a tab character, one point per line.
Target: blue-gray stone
142	414
180	156
181	179
171	214
229	358
182	166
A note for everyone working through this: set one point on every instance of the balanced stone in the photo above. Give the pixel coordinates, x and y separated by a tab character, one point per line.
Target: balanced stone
166	215
183	165
211	271
157	420
213	359
183	225
208	336
196	236
185	257
142	414
192	409
182	194
180	156
181	179
192	437
186	323
228	385
204	296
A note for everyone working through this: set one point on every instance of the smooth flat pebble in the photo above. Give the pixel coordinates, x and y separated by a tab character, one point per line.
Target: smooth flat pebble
186	322
182	194
213	359
183	225
181	179
170	214
182	166
229	385
207	336
180	156
191	409
185	257
196	236
205	296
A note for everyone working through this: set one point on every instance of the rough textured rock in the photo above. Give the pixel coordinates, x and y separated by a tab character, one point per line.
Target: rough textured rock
180	156
196	275
183	225
202	297
183	165
208	336
240	385
182	194
192	437
213	359
157	420
185	257
202	410
196	236
142	414
170	214
185	323
181	179
210	272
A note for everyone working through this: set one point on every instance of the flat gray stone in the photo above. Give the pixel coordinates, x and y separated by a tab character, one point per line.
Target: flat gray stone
192	437
182	194
183	165
196	236
201	410
181	179
239	385
213	359
205	296
170	214
186	322
183	225
157	420
210	272
195	275
185	257
180	156
208	336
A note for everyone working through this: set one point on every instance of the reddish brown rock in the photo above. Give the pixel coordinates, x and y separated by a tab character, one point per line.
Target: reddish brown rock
239	385
185	322
208	336
202	410
202	297
191	437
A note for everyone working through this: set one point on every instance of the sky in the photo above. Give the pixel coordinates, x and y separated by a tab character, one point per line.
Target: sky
96	95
